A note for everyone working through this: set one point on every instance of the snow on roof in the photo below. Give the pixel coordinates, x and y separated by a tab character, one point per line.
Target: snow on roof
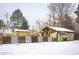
61	29
21	30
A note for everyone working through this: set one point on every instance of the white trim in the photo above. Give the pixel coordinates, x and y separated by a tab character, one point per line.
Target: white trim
21	30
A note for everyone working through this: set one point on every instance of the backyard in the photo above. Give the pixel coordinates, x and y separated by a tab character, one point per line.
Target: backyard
44	48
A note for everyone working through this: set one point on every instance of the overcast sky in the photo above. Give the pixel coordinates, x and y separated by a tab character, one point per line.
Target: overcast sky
32	11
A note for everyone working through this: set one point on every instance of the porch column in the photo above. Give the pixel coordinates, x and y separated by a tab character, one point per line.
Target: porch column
14	38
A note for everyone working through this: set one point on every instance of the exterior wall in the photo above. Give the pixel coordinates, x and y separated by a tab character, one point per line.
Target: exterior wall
54	36
70	36
7	38
22	33
21	39
16	36
49	34
60	37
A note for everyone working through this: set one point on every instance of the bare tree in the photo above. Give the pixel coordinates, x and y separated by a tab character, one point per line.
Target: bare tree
49	20
59	10
7	16
39	24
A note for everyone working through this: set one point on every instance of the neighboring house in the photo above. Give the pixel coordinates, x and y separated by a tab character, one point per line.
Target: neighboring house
9	36
6	36
57	34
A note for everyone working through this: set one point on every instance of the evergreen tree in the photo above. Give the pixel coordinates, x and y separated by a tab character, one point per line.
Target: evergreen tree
18	20
24	24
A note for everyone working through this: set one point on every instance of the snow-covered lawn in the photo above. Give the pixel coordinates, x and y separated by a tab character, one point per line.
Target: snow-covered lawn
49	48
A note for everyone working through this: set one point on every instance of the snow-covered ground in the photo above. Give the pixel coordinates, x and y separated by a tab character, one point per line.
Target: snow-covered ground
49	48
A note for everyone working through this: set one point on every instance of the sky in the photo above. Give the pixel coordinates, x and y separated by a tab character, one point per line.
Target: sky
32	11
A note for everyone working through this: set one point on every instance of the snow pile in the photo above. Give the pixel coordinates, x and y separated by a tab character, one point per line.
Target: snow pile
71	47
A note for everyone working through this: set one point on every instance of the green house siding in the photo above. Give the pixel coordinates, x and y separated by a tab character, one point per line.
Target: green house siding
70	36
54	36
58	36
66	37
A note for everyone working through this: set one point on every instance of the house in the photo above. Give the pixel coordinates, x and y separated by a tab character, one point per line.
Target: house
57	34
20	35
